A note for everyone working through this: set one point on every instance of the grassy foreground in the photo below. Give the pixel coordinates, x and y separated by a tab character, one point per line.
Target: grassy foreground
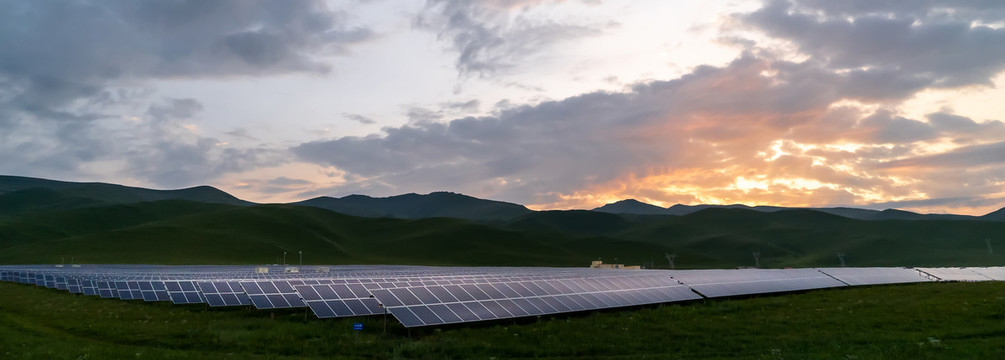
943	321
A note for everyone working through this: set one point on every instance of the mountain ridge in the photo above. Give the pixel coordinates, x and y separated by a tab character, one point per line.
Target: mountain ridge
26	194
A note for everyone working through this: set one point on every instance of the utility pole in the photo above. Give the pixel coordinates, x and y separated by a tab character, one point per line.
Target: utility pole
284	258
670	259
841	257
757	259
301	258
990	251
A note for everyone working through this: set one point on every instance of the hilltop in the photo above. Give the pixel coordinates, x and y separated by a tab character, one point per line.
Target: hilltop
46	221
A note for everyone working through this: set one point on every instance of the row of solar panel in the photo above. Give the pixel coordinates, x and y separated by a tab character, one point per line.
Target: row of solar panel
420	303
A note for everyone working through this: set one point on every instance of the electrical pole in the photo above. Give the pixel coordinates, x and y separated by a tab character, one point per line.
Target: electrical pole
841	257
284	258
990	251
301	258
670	259
757	259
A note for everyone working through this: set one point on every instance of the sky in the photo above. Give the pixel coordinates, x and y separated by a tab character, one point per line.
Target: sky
547	103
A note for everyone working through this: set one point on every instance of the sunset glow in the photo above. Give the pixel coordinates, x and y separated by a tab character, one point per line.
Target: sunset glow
550	104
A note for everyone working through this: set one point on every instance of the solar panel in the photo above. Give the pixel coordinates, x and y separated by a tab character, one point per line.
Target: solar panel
154	291
995	273
874	275
73	286
272	294
955	274
89	287
224	293
339	300
128	290
183	292
422	296
719	283
506	298
107	289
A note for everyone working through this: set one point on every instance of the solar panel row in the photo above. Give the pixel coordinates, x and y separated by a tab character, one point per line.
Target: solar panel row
423	296
224	293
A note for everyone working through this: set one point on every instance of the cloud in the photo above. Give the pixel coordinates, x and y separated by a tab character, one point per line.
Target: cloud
470	105
359	118
70	71
759	130
965	157
492	36
907	44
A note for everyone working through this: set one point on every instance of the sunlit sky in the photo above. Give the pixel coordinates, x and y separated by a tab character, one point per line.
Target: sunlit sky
550	104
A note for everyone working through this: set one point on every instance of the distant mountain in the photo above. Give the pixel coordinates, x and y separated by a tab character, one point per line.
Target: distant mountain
102	223
635	207
632	206
687	209
415	206
995	216
19	194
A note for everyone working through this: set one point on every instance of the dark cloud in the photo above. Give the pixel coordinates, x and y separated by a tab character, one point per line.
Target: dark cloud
490	36
285	181
965	157
165	148
470	105
359	118
69	72
906	45
760	119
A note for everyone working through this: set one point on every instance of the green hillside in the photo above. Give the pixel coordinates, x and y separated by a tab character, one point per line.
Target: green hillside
415	206
186	232
45	221
23	194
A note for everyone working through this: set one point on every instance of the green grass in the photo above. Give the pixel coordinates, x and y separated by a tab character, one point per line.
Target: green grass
919	321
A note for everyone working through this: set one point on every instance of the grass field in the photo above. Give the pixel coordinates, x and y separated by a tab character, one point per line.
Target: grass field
918	321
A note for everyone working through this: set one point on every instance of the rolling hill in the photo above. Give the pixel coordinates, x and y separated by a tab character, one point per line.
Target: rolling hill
415	206
103	223
20	194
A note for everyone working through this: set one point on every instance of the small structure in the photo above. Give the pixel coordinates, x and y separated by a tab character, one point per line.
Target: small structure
598	264
262	270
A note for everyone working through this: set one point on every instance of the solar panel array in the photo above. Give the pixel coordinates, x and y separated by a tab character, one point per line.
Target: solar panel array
427	296
341	298
720	283
224	293
955	274
874	275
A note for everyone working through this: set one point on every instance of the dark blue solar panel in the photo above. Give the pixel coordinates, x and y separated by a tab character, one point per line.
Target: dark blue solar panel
425	315
458	293
343	291
424	295
527	306
339	307
357	308
406	297
321	309
480	310
463	312
444	313
475	292
442	294
497	310
406	317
